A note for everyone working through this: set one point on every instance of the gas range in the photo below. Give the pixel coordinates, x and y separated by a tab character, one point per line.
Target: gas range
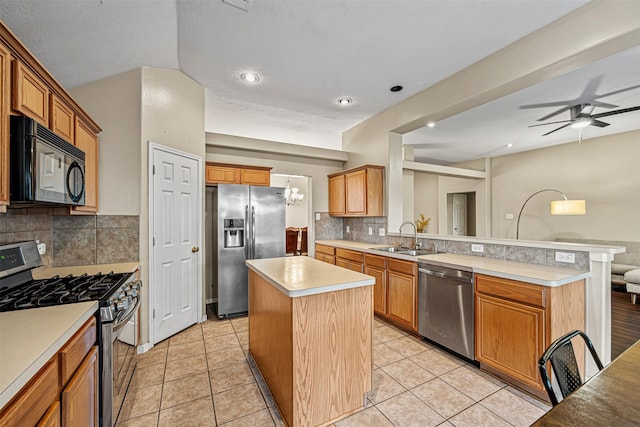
115	292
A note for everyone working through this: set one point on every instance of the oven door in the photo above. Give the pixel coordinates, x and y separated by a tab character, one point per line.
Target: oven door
58	176
118	364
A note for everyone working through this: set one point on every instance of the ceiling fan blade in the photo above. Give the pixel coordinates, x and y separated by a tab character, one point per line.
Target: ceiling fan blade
612	113
589	91
598	123
547	104
618	91
549	123
561	127
602	104
555	113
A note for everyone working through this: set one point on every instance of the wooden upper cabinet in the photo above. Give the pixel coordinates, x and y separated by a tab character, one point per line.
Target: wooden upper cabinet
336	195
30	94
87	141
5	84
220	173
62	119
255	176
357	192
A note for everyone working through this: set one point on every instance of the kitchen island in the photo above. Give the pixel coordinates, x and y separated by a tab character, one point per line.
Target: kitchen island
310	334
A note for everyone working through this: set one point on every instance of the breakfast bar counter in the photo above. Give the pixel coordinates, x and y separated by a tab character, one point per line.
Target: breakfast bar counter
311	336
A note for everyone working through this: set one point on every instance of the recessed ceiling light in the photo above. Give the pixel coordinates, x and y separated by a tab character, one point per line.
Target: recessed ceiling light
509	145
431	124
250	77
396	88
344	100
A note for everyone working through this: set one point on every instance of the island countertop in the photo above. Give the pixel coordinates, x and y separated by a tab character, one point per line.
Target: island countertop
301	276
29	338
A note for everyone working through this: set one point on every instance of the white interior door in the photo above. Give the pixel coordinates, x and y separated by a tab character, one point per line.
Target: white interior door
176	241
459	214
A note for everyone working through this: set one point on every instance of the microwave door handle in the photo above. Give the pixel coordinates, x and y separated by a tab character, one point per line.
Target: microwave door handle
75	197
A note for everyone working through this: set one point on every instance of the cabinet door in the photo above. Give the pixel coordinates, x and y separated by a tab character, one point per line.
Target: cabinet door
336	195
379	289
62	119
80	397
255	177
30	94
222	175
401	302
87	141
356	192
510	337
5	76
52	417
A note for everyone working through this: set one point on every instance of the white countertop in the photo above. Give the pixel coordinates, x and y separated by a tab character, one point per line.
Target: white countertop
29	338
532	273
299	276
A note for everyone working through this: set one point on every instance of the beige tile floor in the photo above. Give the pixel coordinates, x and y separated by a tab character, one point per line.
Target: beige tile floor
202	377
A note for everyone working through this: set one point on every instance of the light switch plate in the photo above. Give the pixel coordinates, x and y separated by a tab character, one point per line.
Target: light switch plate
476	247
42	248
347	229
317	216
370	231
508	216
381	232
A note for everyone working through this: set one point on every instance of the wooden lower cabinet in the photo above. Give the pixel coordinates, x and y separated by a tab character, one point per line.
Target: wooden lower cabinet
49	399
353	260
402	302
80	397
516	321
376	266
326	253
51	417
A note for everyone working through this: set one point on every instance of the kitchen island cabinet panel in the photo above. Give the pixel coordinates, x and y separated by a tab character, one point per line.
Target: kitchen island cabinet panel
318	369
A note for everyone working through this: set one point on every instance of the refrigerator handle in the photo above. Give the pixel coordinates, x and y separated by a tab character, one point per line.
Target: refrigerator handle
253	232
246	232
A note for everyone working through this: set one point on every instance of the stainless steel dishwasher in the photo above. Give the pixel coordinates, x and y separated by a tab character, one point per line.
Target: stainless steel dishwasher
445	307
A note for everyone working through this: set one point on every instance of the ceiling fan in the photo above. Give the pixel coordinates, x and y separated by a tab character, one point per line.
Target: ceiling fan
581	108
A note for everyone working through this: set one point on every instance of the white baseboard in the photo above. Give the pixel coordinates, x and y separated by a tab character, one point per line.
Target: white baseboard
144	348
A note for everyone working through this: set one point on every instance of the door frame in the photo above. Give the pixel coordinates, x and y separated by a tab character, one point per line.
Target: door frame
153	146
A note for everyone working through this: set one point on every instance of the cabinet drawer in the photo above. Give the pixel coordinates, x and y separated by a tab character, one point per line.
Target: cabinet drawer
52	417
511	290
74	351
329	250
350	255
34	399
375	261
406	267
330	259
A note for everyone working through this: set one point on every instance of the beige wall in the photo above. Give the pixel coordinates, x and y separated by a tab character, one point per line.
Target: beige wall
545	54
164	106
114	102
426	199
603	171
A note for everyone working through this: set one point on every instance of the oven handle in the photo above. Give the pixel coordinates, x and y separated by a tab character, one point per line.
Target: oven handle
122	320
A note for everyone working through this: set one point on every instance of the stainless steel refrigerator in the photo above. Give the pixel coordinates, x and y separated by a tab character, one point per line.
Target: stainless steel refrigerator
249	224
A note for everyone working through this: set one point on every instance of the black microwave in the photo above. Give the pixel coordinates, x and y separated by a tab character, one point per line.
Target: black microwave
44	167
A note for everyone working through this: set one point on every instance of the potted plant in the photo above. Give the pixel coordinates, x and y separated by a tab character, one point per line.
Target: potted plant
422	223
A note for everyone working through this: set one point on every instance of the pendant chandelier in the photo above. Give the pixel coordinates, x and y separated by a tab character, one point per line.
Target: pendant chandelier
292	196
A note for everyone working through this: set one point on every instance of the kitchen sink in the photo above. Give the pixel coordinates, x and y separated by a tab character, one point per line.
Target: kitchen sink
404	251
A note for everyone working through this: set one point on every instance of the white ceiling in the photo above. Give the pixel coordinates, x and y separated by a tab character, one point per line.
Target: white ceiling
308	53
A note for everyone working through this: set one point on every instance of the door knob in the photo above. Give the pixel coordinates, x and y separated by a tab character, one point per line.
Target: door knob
195	249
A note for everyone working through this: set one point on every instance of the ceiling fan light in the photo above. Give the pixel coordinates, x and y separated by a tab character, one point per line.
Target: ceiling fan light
581	122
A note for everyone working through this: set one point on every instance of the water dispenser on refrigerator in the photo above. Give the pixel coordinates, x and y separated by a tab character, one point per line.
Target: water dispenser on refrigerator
233	232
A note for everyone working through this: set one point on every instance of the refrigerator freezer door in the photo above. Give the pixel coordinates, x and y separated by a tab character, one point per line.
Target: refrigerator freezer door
233	204
267	222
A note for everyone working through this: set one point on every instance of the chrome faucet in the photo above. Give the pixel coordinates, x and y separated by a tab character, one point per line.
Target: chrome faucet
415	233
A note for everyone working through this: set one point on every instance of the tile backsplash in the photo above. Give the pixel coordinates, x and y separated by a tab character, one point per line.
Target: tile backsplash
335	228
75	239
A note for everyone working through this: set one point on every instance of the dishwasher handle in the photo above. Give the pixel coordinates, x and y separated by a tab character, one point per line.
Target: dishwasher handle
442	275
